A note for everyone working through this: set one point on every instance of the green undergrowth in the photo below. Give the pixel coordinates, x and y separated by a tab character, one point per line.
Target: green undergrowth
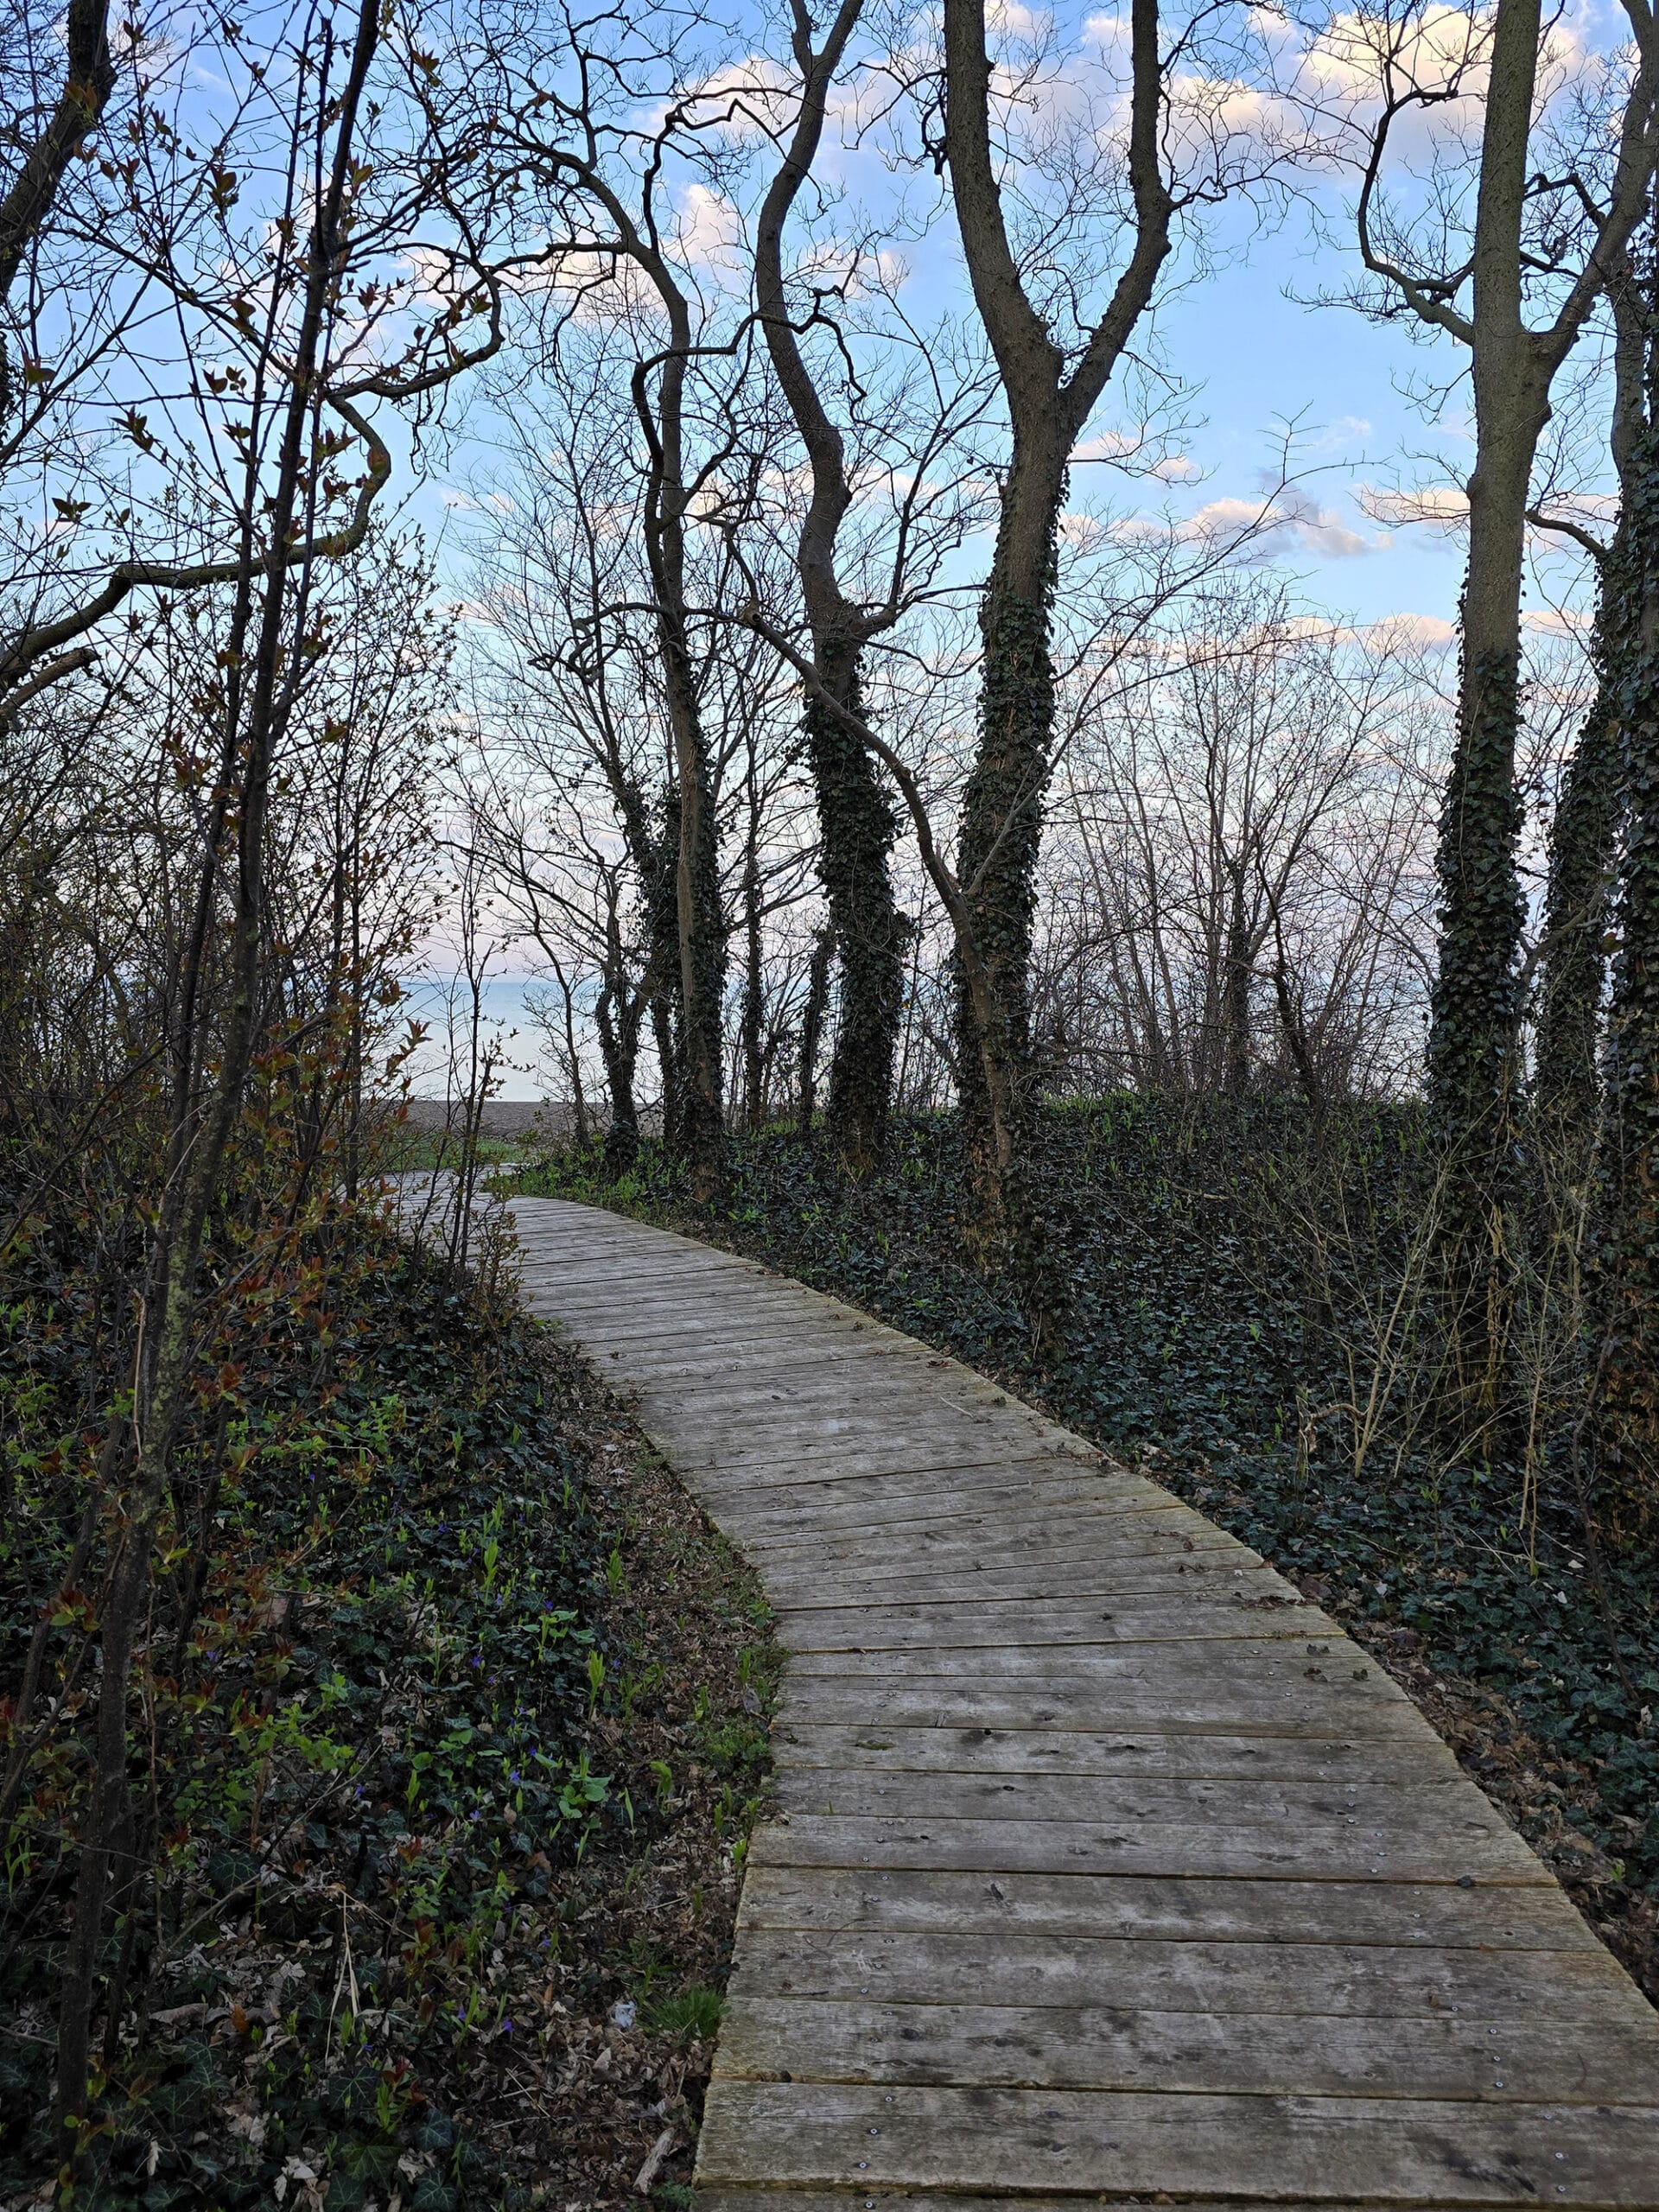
1226	1271
411	1151
389	1766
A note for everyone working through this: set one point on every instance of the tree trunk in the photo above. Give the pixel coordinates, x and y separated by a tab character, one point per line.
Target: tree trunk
1627	1179
1583	844
1473	1043
1584	833
857	822
1238	972
573	1058
700	952
753	1017
667	1010
617	1013
1002	828
818	998
700	941
622	1136
1003	803
88	80
203	1105
856	828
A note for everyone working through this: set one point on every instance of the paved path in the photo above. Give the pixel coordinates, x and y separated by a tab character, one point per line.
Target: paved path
1107	1868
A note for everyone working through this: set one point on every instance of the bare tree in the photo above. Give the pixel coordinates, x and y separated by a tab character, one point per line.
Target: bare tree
1235	892
1584	830
267	294
856	825
142	312
562	102
1547	238
1049	402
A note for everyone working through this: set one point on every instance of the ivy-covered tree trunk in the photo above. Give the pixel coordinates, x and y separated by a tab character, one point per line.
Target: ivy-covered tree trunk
617	1015
1584	833
1237	977
1473	1038
1572	981
1474	1032
701	944
662	928
1049	400
856	821
856	828
1000	838
752	1020
696	1113
1628	1172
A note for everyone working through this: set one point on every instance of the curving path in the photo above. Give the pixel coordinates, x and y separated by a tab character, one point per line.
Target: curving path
1107	1868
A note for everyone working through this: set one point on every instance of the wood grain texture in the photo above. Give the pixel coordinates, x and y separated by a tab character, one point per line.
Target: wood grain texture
1105	1870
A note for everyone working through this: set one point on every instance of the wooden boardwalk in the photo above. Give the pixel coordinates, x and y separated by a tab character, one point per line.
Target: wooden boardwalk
1107	1869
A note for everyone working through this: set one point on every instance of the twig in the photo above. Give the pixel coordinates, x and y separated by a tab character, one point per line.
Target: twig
646	2180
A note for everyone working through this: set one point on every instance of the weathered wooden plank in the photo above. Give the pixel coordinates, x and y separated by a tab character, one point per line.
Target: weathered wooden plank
991	1917
803	1357
1211	1578
1164	1614
849	1335
772	1531
827	2036
604	1274
1077	1577
619	1313
1140	1617
1004	1534
996	1525
889	1499
628	1264
884	1748
795	1362
830	1581
973	1554
1363	2150
766	1428
625	1343
873	1377
1127	1705
757	1308
989	1434
1444	1806
1218	1851
773	1477
733	1444
758	1429
638	1290
1246	1660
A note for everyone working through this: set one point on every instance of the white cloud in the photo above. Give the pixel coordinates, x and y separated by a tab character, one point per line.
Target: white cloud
1081	531
1426	633
1127	445
1013	19
709	230
1444	507
1293	517
1557	621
